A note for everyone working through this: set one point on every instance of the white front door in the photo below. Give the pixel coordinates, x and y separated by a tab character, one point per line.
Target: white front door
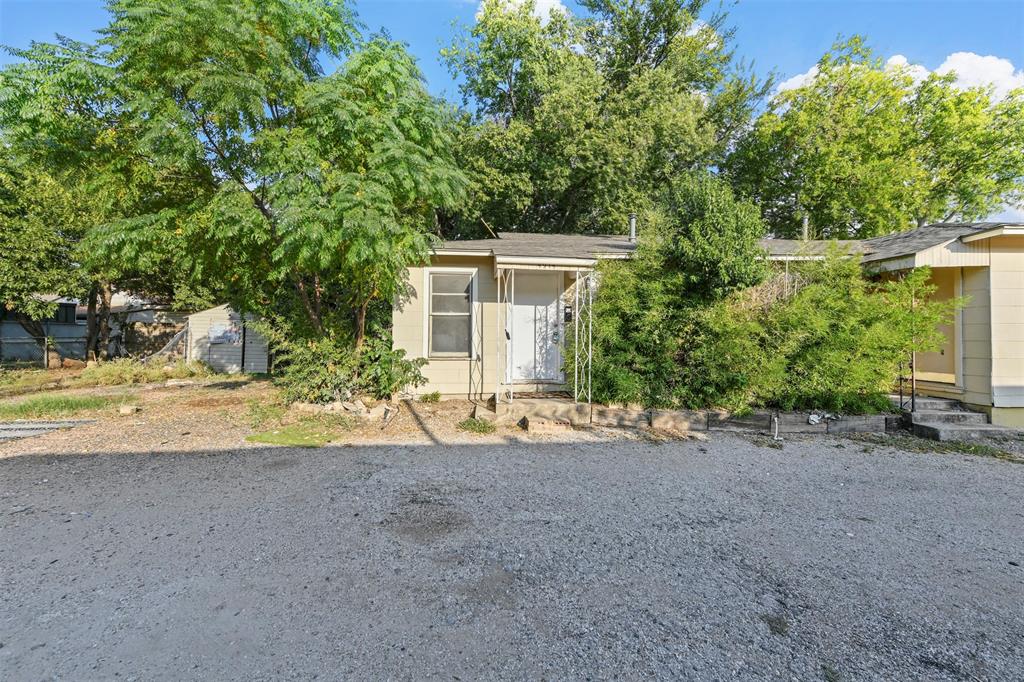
536	327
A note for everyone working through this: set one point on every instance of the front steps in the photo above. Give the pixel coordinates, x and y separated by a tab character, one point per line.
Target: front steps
942	419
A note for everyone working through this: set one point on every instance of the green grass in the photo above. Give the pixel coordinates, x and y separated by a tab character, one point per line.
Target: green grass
433	397
308	433
262	413
474	425
56	406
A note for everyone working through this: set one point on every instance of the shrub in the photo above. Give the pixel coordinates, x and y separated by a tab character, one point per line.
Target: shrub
688	323
319	371
474	425
329	368
384	370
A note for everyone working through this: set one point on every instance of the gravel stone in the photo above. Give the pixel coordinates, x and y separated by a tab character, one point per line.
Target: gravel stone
700	559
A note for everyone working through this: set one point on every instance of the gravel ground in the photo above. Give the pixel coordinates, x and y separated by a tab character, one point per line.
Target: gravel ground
826	559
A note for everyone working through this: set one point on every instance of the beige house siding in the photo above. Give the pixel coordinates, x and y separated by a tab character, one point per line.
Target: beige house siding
977	340
475	376
225	357
941	365
1007	296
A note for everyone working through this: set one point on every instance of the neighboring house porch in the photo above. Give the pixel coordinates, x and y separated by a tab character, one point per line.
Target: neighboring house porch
981	363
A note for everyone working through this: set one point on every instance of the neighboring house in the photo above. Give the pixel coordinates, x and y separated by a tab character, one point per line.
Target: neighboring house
63	328
220	338
491	315
982	361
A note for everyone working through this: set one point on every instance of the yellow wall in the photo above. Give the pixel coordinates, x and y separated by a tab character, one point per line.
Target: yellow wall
1007	291
977	342
941	365
476	376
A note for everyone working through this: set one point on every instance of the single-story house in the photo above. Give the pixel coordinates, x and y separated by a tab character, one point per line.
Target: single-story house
982	361
491	316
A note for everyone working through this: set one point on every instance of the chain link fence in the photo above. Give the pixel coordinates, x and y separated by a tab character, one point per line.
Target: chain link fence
27	351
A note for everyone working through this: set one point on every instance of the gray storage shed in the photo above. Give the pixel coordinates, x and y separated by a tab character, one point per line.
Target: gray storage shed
220	338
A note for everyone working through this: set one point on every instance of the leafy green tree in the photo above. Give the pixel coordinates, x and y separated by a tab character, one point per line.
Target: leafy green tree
64	124
323	187
699	247
37	241
576	122
862	150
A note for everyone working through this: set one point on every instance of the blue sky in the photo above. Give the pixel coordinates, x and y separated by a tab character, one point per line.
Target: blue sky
982	40
782	35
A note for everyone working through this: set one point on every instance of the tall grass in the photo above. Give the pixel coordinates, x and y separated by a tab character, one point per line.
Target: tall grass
56	406
128	371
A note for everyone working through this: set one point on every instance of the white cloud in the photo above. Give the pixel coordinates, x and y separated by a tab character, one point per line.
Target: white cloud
915	71
798	81
972	70
541	8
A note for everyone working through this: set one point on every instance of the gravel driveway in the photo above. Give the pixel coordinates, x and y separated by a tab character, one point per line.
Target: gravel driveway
827	559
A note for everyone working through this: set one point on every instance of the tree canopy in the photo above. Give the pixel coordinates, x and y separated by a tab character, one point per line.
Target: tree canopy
575	122
862	149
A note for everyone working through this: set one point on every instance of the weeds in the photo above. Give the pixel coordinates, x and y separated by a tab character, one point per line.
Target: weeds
432	397
56	406
311	432
262	413
913	444
474	425
128	371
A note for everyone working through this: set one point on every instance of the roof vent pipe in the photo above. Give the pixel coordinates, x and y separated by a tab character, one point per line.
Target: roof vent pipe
632	228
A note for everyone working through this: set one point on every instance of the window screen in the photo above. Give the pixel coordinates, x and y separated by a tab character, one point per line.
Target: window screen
451	316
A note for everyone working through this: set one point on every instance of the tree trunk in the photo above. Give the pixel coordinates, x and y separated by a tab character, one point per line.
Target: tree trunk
34	328
106	294
361	324
92	333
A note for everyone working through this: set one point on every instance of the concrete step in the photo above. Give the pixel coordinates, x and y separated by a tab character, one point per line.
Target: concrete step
962	432
948	417
923	403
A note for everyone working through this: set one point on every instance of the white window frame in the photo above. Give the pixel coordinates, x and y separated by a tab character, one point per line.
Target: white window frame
474	308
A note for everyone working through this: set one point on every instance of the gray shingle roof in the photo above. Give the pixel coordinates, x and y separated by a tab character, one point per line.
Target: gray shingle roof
914	241
546	245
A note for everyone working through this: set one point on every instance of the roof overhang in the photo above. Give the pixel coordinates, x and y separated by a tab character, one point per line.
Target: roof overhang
462	252
1005	230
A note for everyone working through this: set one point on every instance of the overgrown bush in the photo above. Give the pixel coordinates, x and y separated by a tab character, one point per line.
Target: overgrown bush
824	336
698	319
700	245
329	368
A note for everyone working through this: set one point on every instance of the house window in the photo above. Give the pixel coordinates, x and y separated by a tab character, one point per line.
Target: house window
65	313
451	317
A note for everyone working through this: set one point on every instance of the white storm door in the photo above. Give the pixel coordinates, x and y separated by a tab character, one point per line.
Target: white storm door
536	327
